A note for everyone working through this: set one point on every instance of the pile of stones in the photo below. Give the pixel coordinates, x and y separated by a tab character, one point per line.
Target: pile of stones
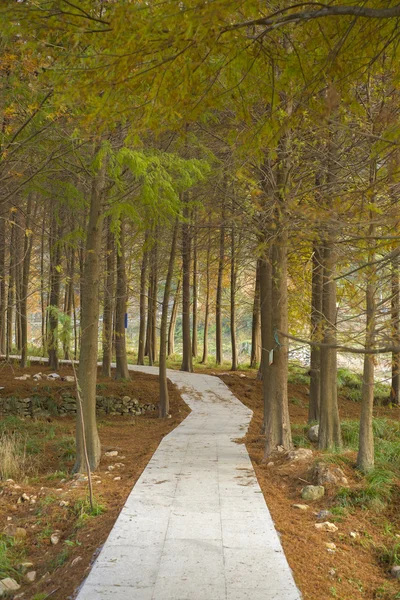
44	407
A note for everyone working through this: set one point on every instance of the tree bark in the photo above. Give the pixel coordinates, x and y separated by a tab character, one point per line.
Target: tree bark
329	428
316	312
365	456
172	322
55	283
108	303
25	283
195	283
87	373
69	298
3	298
187	364
277	423
143	301
43	306
121	371
233	301
10	291
265	282
204	358
395	323
164	398
255	356
218	303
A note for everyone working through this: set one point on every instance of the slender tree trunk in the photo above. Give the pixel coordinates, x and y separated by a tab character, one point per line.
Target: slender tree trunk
120	310
277	423
108	306
87	373
18	280
207	307
187	364
329	429
255	356
150	345
55	282
395	322
10	291
218	304
25	283
69	298
316	312
265	282
3	298
143	300
164	398
172	323
148	351
233	301
195	284
154	300
43	288
365	457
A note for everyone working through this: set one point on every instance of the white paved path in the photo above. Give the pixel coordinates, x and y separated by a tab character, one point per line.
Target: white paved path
195	526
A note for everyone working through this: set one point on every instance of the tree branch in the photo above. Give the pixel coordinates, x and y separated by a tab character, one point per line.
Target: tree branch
279	19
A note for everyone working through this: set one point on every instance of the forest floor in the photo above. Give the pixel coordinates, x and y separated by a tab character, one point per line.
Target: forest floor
48	484
368	537
367	516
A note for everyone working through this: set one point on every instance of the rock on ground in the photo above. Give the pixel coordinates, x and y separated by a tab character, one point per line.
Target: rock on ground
312	492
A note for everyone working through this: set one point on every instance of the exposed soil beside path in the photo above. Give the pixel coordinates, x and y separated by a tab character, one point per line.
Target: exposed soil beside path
135	439
353	572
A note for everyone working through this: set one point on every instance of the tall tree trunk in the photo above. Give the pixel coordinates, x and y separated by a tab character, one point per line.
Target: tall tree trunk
69	298
55	283
233	301
265	279
87	372
277	423
25	283
10	291
154	299
164	398
204	358
218	303
195	283
187	364
255	356
3	298
108	304
18	280
172	322
148	351
329	429
395	324
43	306
365	457
143	300
121	310
316	312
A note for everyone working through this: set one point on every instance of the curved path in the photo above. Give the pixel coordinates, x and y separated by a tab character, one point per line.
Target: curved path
195	526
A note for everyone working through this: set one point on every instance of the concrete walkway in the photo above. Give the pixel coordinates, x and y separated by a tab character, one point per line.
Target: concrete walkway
195	526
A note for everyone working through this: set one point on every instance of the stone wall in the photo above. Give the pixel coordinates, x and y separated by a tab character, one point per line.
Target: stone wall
37	406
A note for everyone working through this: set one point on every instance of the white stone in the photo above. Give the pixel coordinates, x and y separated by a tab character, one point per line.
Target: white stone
111	453
31	576
9	585
327	526
55	538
